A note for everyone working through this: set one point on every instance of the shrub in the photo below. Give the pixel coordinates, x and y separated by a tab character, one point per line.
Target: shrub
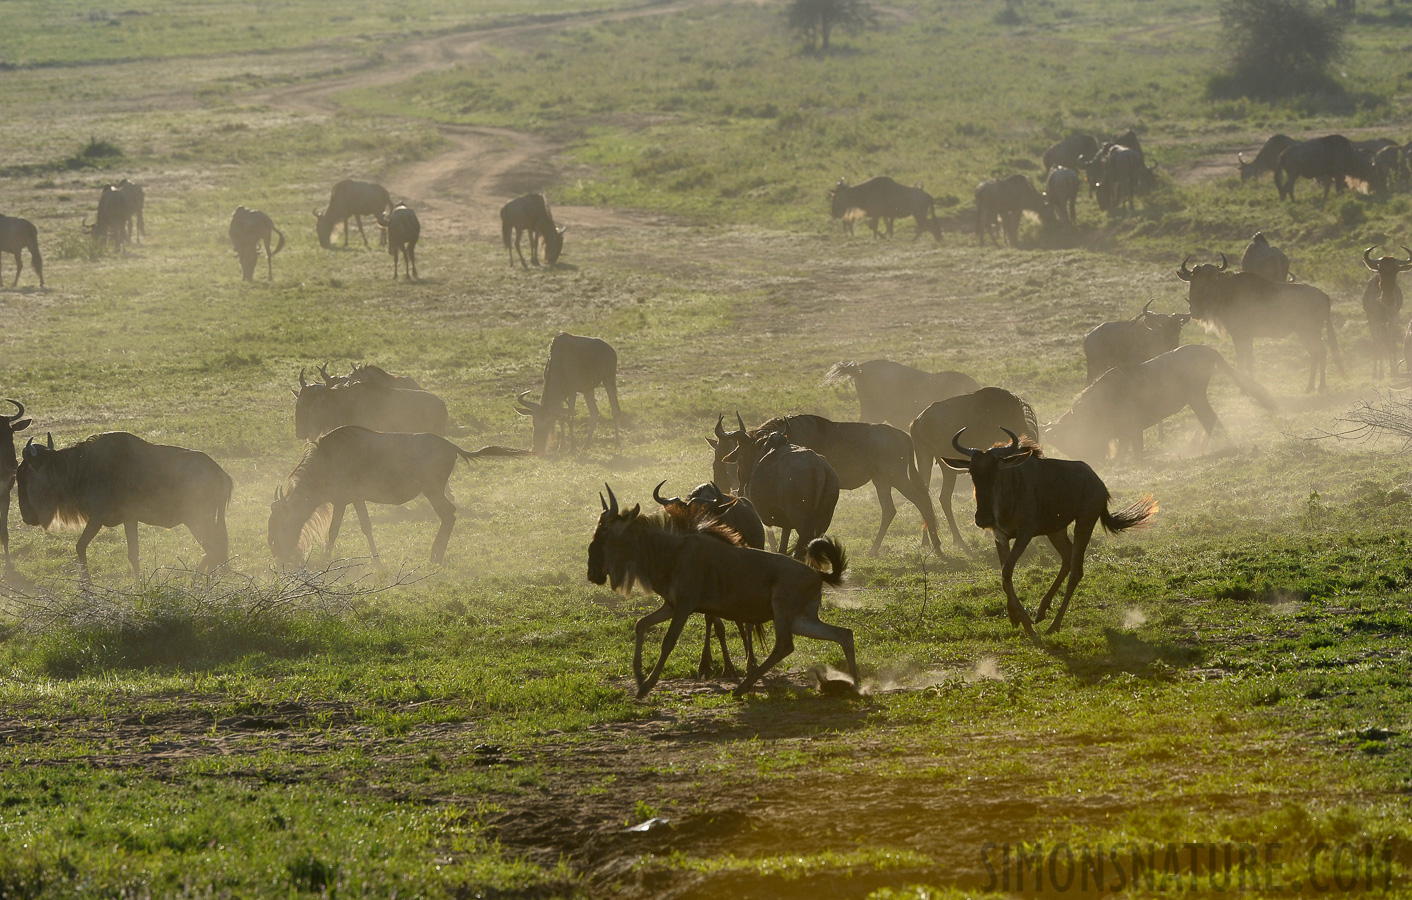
1278	48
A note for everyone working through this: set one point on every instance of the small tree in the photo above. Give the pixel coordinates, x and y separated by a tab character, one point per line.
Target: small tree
1279	47
816	19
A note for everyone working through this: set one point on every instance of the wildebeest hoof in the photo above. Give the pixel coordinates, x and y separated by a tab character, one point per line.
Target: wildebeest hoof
835	687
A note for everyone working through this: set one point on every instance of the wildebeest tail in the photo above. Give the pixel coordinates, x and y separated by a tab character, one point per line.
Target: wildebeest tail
280	246
1137	515
1250	386
1333	342
1031	421
841	371
505	230
492	450
827	550
921	465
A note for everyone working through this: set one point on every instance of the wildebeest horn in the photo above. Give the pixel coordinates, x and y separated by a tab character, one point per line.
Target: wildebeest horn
1184	273
612	506
720	432
317	214
1240	158
279	492
1147	307
29	448
49	435
956	442
526	402
1223	262
1368	262
302	382
1014	439
323	373
657	494
18	406
740	422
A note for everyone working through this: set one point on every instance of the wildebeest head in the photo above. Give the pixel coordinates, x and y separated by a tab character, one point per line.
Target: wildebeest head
750	449
41	492
554	244
838	205
545	418
305	399
722	472
296	521
1164	328
1204	283
602	563
984	465
1387	267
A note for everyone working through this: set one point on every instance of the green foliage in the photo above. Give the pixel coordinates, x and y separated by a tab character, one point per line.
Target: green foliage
1278	48
815	20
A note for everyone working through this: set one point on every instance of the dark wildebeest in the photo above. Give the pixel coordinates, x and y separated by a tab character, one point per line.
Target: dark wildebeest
8	464
17	235
883	198
320	408
1332	160
704	572
1131	341
1266	159
1382	304
1265	260
577	365
365	373
1061	192
1021	495
1003	200
1067	152
1247	306
1128	399
985	412
248	229
350	200
792	487
403	230
893	393
1115	174
111	221
135	199
530	213
117	478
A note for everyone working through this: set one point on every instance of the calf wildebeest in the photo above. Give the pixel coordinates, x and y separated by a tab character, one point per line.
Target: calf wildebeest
985	412
704	572
1247	306
350	200
1131	341
1021	495
359	466
1382	304
530	213
248	229
1128	399
893	393
403	229
1003	200
1332	160
792	487
1264	259
1061	192
116	478
320	408
883	198
17	235
111	222
1067	152
1266	159
577	365
134	199
8	464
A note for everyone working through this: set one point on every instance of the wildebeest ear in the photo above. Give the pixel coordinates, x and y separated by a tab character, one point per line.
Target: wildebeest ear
20	424
714	443
634	512
960	465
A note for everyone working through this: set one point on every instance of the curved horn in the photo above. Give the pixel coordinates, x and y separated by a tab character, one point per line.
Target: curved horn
969	452
317	214
49	436
1240	157
1406	262
612	501
740	422
1368	262
29	449
323	373
526	402
1184	273
720	432
1223	262
302	382
1014	439
1147	307
657	493
18	406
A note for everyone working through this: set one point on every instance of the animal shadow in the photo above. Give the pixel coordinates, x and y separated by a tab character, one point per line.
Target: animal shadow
1125	653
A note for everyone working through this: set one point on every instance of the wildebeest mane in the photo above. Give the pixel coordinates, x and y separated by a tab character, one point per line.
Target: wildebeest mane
316	525
60	477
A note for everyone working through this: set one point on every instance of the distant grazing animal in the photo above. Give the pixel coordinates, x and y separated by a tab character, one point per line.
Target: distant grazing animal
135	199
1246	306
8	464
111	222
403	230
792	487
359	466
704	572
1131	341
530	213
1003	200
320	408
248	229
1021	495
1371	147
117	478
883	198
1382	304
1128	399
1265	260
1331	160
1061	192
350	200
20	234
577	365
1393	166
1115	175
1267	157
1067	152
893	393
986	413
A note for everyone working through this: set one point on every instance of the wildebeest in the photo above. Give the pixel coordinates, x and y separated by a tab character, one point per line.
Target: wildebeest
17	235
350	200
320	408
1003	200
1131	341
359	466
577	365
792	487
111	222
1128	399
1021	495
1061	192
1382	304
1115	174
135	200
8	464
116	478
1246	306
1266	159
1264	259
704	572
530	213
403	229
1332	160
986	413
883	198
248	229
1391	162
893	393
370	374
1067	152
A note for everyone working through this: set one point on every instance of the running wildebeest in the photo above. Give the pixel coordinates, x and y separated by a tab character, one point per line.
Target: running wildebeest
893	393
1247	306
986	412
402	231
1061	192
530	213
1069	151
134	199
111	222
358	466
1382	304
17	235
1331	160
116	478
350	200
320	408
248	229
8	464
1131	341
1126	400
1003	200
883	198
1265	260
1266	159
792	487
577	365
1021	495
705	572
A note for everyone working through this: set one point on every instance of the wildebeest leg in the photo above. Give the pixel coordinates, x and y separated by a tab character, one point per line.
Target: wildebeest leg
784	539
17	269
610	386
1314	346
335	522
679	618
749	642
90	531
269	259
1245	355
410	250
784	646
592	416
1065	548
770	540
656	617
519	233
211	535
130	531
1013	607
361	509
889	512
362	234
728	669
807	624
1201	406
447	511
1083	530
889	226
948	488
918	497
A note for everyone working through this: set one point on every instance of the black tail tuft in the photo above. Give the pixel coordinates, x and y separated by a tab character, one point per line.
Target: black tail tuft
828	550
1137	515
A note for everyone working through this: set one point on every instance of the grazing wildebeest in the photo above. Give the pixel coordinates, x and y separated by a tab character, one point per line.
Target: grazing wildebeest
1128	399
985	412
1021	495
248	229
1332	160
577	365
1247	306
1131	341
320	408
1067	152
1382	304
893	393
135	199
1393	166
17	235
350	200
530	213
1265	260
1003	200
403	229
792	487
1061	192
111	222
8	464
1266	159
116	478
883	198
1115	174
704	572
